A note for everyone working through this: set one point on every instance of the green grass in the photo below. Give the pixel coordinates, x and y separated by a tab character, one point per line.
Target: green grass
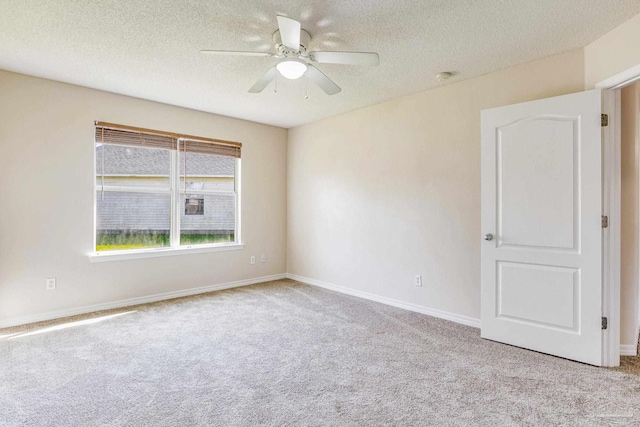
120	242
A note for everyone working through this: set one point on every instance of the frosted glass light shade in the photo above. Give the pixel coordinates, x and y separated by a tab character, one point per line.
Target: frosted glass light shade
292	68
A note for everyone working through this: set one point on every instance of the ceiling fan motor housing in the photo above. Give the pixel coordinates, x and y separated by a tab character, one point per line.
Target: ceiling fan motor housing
305	41
293	51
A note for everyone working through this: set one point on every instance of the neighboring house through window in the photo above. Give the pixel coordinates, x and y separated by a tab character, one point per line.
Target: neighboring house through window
160	190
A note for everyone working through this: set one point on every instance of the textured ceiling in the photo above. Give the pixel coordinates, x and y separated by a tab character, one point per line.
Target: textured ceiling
150	49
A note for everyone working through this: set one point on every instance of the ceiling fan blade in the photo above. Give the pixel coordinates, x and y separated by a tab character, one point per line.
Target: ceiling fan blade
289	32
264	81
323	82
235	53
348	58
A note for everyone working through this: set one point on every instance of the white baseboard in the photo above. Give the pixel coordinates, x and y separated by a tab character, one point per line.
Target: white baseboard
629	350
464	320
134	301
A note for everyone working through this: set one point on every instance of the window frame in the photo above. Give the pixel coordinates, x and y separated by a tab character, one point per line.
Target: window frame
175	193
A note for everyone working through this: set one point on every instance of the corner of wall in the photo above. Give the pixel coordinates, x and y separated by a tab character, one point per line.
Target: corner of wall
612	53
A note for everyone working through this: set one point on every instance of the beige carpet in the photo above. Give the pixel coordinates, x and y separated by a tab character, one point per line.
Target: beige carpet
284	353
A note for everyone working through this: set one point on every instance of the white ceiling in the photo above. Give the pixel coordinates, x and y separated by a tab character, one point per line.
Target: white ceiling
150	49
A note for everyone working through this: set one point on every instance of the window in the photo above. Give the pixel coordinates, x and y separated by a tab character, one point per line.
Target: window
194	206
161	190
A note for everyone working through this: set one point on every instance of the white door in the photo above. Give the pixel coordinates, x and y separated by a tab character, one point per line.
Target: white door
541	256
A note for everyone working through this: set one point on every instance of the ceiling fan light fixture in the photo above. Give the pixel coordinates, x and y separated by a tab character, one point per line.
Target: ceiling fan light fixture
292	68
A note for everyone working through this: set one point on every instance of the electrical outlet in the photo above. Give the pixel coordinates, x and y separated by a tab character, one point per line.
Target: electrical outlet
263	258
418	281
252	260
51	283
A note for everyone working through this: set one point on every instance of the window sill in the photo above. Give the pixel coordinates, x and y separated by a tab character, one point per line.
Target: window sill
154	253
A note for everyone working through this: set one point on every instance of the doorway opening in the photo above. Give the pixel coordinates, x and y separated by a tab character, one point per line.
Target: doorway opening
621	202
630	219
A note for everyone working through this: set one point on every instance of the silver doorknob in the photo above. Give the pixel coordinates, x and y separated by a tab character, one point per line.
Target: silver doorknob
488	236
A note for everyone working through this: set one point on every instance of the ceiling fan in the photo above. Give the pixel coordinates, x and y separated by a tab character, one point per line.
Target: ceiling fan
292	50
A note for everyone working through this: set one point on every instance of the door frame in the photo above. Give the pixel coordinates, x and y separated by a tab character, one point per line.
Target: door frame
612	172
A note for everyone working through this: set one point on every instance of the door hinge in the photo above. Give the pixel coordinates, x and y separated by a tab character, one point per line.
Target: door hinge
604	120
605	221
605	323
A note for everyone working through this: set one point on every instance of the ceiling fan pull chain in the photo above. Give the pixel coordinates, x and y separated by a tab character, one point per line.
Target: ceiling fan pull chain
306	87
275	89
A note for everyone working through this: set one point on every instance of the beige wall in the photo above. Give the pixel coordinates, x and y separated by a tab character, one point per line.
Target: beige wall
46	199
613	53
629	217
381	194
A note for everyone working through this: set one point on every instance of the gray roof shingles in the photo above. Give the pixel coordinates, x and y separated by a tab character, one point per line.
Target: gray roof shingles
121	160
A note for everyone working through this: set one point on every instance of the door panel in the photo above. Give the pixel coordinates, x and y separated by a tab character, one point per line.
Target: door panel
541	201
539	294
536	181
